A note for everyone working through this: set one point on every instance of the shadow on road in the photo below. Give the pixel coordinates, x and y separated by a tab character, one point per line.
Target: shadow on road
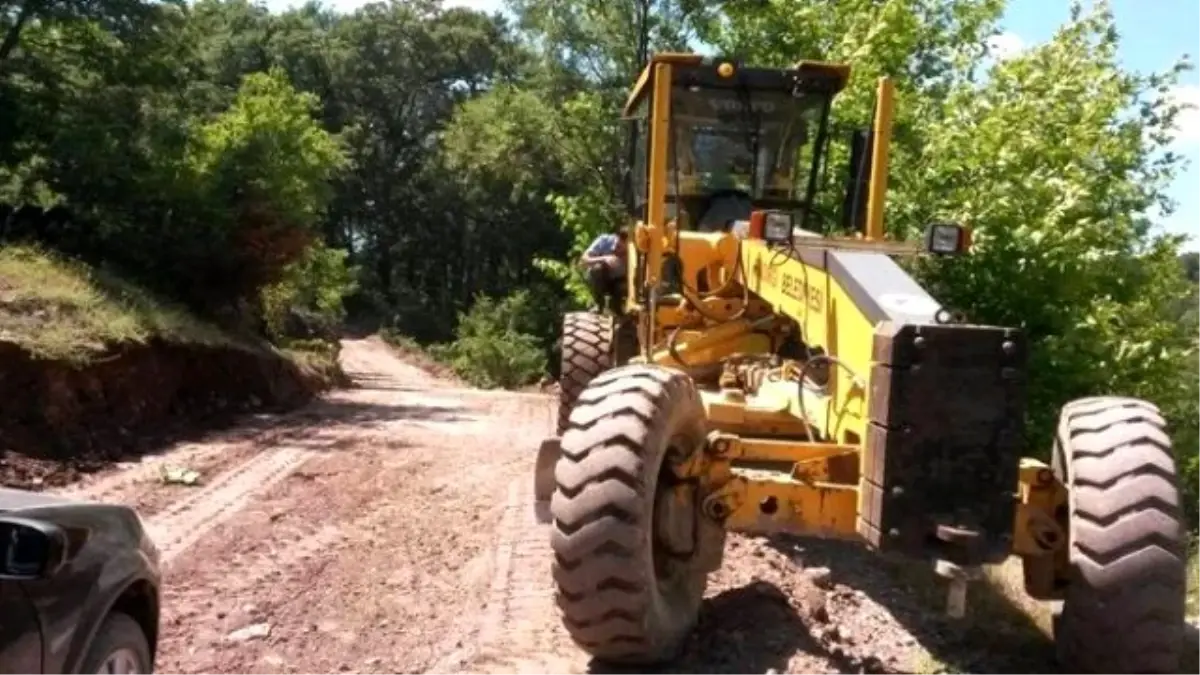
332	425
367	415
996	636
369	382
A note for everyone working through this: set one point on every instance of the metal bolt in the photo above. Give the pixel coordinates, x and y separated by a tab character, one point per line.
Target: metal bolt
1008	347
919	342
894	533
898	491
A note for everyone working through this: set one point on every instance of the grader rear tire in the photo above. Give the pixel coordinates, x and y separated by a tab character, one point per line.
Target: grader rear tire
587	345
1123	610
626	596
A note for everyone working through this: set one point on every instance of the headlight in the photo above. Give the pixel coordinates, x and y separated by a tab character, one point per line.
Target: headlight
778	227
947	238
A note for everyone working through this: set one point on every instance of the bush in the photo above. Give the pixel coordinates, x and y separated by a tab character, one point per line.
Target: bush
494	346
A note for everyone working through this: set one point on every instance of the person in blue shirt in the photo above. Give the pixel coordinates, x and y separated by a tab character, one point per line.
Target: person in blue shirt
605	262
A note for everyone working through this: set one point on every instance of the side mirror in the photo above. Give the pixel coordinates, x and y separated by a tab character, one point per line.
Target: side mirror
30	549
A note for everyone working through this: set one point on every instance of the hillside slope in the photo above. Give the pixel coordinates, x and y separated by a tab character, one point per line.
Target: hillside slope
93	369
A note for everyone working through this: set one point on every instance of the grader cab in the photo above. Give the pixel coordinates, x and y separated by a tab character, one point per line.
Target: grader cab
776	371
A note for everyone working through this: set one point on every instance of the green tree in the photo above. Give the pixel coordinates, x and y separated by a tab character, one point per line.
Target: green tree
589	54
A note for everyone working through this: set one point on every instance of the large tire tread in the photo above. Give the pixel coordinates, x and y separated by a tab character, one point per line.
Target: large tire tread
586	352
1124	607
601	515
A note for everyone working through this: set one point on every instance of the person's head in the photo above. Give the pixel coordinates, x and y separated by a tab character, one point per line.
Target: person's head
622	240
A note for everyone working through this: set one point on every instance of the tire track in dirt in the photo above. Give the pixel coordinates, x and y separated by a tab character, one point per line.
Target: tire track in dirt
259	569
291	547
375	556
517	630
177	516
120	485
520	631
183	523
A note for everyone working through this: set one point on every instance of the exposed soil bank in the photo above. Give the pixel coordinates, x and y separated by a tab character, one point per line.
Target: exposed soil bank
58	420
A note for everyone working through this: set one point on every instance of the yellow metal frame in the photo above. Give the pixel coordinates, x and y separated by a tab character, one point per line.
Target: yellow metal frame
1041	529
880	156
651	71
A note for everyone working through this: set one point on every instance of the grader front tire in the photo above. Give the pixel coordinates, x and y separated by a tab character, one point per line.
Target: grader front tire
1123	611
587	345
625	595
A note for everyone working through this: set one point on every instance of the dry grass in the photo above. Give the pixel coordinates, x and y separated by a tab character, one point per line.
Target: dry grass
319	358
63	310
1001	621
1007	580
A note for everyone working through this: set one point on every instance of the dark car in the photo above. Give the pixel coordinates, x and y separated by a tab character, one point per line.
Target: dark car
79	587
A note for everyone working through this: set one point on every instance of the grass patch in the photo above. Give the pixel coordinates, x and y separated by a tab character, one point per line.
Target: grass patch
319	357
64	310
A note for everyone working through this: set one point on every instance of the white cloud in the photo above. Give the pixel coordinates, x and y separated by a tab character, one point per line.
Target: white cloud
1187	123
1005	46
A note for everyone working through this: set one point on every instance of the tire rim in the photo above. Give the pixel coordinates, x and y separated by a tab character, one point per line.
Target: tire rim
123	660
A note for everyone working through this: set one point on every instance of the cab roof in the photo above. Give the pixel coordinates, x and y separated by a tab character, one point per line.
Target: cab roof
815	76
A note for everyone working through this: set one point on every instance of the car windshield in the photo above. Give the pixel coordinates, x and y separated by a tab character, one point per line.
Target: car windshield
756	142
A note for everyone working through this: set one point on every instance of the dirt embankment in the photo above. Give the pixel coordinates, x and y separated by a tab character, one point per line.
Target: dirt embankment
60	419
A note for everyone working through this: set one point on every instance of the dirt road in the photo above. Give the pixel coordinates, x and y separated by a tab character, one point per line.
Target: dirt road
390	528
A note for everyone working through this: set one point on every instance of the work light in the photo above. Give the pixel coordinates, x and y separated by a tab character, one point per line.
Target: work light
947	238
777	227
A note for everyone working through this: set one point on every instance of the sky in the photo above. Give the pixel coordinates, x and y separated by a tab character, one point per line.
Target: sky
1153	35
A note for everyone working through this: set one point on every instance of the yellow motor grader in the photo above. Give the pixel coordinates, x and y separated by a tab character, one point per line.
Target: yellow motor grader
776	372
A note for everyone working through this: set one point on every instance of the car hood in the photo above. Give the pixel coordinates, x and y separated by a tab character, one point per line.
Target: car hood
96	528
